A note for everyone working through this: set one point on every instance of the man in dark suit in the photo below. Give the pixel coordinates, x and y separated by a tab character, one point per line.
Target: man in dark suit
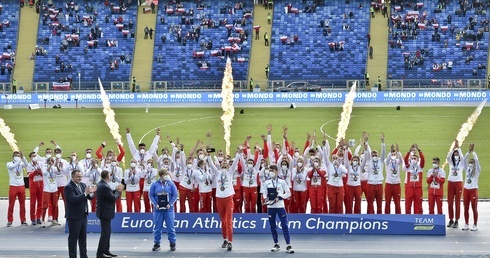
106	200
76	194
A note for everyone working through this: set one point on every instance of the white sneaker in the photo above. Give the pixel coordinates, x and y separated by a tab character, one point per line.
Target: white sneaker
466	227
289	250
50	218
275	248
55	223
43	224
474	228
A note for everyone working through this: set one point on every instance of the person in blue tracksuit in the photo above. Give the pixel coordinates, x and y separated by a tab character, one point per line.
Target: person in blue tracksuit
164	186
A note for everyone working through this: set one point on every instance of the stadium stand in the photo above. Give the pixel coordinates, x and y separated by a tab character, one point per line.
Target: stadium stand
319	43
9	27
93	38
433	41
193	41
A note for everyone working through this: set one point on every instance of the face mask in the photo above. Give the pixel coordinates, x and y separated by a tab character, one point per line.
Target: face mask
58	156
316	164
149	165
142	151
375	159
435	165
300	164
73	158
272	174
189	165
266	172
456	158
133	165
113	163
201	156
284	167
220	159
167	177
250	165
335	163
471	165
393	157
355	163
164	156
48	156
414	162
16	158
296	154
88	155
34	158
224	170
412	153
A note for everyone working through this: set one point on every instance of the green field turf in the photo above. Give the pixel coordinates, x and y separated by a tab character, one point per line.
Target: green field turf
433	128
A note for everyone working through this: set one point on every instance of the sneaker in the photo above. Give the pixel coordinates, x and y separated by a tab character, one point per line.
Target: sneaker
9	224
275	248
474	228
38	222
172	247
55	223
24	223
455	225
43	224
229	246
156	247
33	223
466	227
50	218
289	250
450	224
225	243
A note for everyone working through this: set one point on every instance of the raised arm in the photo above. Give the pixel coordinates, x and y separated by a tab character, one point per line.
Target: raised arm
154	144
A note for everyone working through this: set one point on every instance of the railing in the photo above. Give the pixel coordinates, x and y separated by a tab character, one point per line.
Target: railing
241	86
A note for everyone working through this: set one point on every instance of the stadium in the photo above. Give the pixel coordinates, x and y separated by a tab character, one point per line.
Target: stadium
225	73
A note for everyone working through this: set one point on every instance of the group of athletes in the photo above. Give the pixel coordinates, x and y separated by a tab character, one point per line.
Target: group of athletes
331	180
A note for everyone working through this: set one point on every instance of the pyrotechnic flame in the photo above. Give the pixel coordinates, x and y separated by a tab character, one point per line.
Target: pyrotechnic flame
9	137
346	112
467	126
110	116
227	104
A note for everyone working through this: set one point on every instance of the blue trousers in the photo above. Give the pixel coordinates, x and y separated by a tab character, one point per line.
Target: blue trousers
281	212
159	216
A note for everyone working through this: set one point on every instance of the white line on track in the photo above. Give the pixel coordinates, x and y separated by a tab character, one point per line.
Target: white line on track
175	123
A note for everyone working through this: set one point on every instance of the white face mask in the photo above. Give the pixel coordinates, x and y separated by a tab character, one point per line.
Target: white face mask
336	163
300	164
435	165
315	164
201	156
48	156
149	165
73	158
284	167
16	158
34	159
471	165
414	162
88	155
375	159
296	154
224	170
456	158
393	157
164	156
355	163
142	151
250	165
272	174
113	163
133	165
189	165
266	172
58	156
220	159
166	177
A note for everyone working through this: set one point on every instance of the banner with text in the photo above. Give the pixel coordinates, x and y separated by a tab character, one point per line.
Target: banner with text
249	97
370	224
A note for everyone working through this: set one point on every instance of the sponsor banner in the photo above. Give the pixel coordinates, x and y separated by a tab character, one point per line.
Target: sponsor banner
250	97
363	224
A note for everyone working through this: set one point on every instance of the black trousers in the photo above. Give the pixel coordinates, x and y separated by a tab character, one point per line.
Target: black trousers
77	232
105	237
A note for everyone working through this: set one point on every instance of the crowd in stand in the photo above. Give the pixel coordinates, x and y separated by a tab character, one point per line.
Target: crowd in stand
331	180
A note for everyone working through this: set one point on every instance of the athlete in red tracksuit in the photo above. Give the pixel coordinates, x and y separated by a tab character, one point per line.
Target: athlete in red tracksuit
36	186
393	164
316	187
470	198
375	166
454	184
436	178
413	183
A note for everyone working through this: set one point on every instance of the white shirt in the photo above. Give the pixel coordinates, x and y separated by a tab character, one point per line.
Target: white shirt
455	169
393	169
31	167
132	180
335	175
224	178
85	164
142	158
282	191
92	175
16	172
472	174
189	176
299	179
149	174
375	168
115	176
205	179
50	179
353	175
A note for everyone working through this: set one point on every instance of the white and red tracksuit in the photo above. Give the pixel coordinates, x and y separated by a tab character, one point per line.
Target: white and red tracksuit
375	179
249	186
470	196
335	187
316	189
186	189
286	174
205	179
393	166
354	191
300	193
435	179
133	198
238	197
36	185
413	188
16	189
50	191
454	185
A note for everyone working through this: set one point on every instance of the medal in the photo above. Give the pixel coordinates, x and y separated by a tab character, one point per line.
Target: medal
315	180
207	183
455	173
355	178
250	181
335	175
132	181
298	181
222	188
375	172
468	181
414	177
188	181
148	181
